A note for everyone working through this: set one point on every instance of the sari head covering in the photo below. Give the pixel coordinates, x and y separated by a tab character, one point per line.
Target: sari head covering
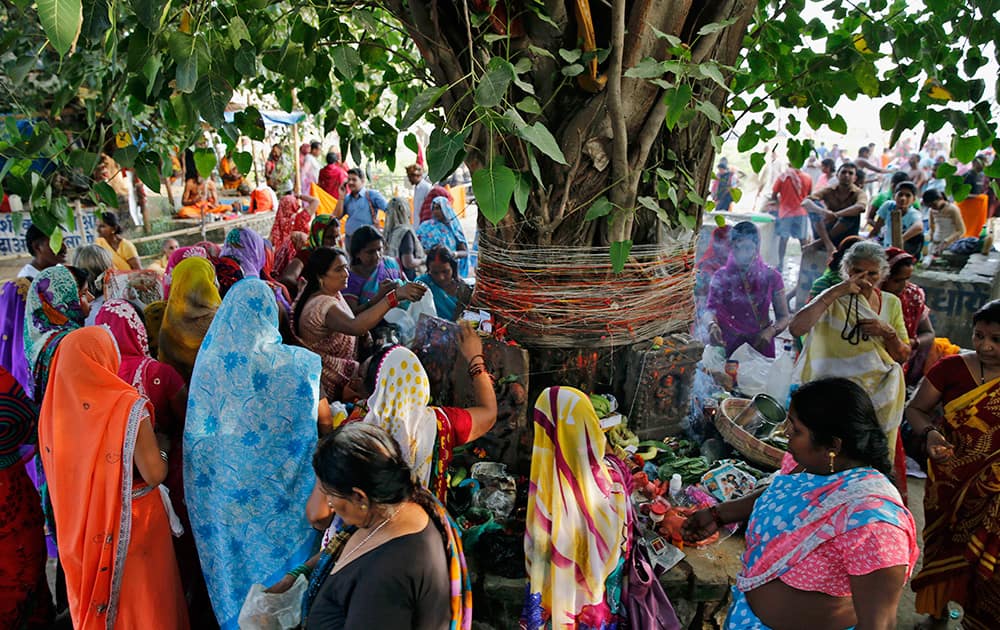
13	295
228	272
189	311
398	224
247	248
179	254
448	232
87	434
577	516
153	315
740	296
52	310
317	229
399	405
290	217
213	250
426	211
248	444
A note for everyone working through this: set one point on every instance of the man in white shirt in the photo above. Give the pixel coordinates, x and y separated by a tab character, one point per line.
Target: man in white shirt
421	186
42	255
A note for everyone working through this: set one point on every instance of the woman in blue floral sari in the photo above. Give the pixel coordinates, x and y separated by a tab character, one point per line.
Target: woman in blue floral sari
248	442
444	228
829	543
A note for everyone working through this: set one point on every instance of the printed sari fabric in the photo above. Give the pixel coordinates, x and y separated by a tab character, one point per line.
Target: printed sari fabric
25	600
577	517
248	442
87	433
445	304
181	253
828	354
52	310
193	301
247	248
799	513
13	296
425	434
741	301
962	510
337	350
318	228
143	286
448	233
290	217
365	289
914	304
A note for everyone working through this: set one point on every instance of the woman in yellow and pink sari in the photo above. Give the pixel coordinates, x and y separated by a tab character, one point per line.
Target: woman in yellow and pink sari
578	519
962	498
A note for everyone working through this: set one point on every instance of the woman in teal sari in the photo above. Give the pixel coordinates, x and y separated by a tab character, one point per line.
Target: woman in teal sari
451	293
444	228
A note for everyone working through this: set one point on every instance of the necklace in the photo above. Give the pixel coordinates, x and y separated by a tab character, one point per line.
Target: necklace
343	558
982	373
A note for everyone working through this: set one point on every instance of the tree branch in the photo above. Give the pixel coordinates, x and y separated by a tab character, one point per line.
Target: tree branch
619	132
650	130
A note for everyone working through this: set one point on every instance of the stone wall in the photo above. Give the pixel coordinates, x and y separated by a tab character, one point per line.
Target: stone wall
954	296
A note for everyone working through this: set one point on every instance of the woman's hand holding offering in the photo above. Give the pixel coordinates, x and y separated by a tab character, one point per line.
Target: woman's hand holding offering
469	343
699	526
938	448
411	291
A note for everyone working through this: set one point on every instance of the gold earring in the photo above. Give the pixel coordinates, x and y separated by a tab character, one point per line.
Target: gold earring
364	506
833	456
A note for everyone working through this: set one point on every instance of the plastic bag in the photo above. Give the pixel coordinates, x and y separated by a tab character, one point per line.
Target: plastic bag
273	611
498	490
713	358
405	320
753	371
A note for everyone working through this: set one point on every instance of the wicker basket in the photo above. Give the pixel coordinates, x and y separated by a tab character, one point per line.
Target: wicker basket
756	451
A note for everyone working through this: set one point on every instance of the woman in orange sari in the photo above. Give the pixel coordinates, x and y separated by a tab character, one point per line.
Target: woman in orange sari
94	432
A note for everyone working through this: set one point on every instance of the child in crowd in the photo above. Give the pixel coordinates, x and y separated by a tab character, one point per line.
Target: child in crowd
911	222
946	224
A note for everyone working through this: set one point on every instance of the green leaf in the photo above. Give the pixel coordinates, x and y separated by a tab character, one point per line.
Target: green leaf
61	208
410	142
538	135
211	95
494	187
243	161
737	194
945	170
838	124
573	69
238	32
716	26
533	165
720	220
149	13
346	61
965	148
126	155
245	61
888	115
689	221
864	74
601	207
494	84
147	167
61	20
647	68
757	161
419	106
710	110
570	56
105	193
619	255
445	152
521	192
529	105
204	161
710	70
677	99
541	52
56	239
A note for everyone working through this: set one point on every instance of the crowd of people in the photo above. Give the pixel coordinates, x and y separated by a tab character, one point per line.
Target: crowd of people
864	339
161	426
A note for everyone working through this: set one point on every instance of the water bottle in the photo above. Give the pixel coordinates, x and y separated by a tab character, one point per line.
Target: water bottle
780	378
